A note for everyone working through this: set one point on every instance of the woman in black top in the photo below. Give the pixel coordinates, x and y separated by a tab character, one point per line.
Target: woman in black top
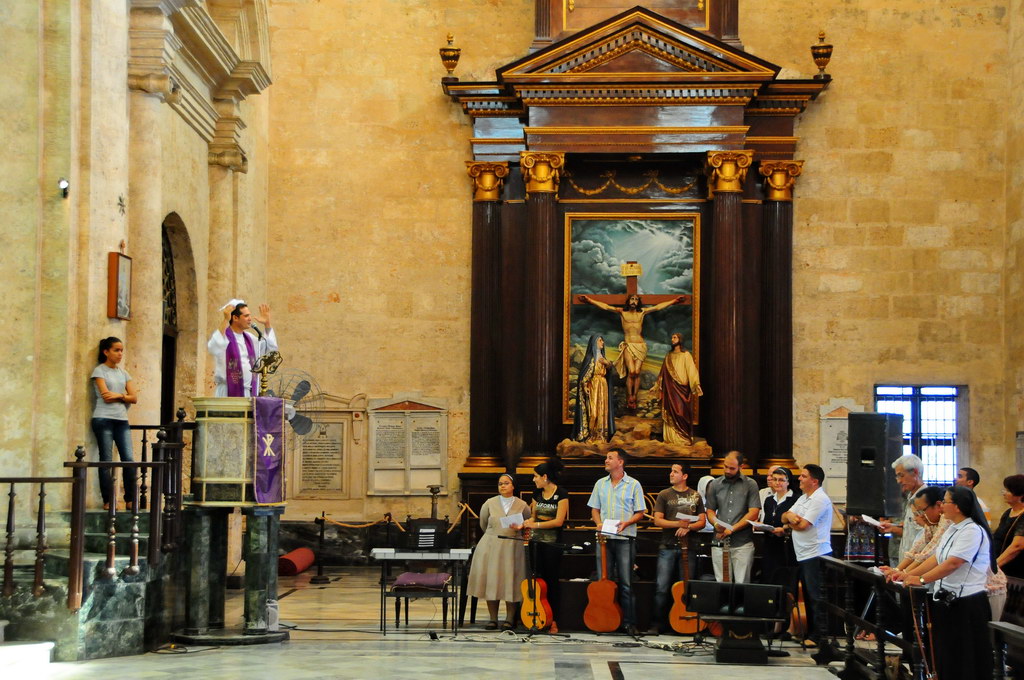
1008	537
548	511
778	562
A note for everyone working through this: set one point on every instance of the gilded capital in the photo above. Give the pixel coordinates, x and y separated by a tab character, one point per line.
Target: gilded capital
779	178
727	170
488	179
541	171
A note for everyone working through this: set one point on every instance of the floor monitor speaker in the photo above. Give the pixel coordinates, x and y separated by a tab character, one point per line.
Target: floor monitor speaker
875	442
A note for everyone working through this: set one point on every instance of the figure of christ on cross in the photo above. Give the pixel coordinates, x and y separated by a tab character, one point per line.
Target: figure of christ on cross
633	351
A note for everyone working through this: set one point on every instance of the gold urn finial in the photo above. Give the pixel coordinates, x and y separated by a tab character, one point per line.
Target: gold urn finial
822	54
450	57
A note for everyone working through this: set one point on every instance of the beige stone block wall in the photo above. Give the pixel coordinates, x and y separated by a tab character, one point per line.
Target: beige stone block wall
899	245
370	210
36	258
1014	260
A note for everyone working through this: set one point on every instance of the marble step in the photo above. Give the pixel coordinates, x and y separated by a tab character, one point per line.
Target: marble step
24	659
97	543
55	566
96	521
3	624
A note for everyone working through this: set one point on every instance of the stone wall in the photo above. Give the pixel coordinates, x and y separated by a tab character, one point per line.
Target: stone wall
899	236
1014	285
370	209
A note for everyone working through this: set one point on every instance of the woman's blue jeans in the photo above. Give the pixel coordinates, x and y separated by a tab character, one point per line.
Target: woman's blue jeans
110	431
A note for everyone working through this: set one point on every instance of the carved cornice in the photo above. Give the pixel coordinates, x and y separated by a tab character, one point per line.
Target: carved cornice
232	159
779	178
541	171
488	179
727	170
166	7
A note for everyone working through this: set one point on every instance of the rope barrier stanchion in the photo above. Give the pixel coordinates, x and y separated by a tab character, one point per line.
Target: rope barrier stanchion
320	579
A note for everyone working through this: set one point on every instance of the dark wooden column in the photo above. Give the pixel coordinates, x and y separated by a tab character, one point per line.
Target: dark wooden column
484	390
727	171
543	300
777	345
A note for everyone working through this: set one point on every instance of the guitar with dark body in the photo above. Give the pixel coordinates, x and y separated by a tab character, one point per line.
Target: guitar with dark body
603	613
715	628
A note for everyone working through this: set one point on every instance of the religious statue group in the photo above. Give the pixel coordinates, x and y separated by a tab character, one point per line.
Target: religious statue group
677	385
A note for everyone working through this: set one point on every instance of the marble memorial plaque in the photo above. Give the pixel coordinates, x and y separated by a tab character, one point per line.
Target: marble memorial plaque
425	441
389	441
322	463
833	443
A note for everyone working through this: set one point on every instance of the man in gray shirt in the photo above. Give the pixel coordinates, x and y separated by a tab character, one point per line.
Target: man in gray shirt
733	499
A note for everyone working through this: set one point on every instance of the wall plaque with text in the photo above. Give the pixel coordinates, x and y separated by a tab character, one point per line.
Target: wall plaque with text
408	445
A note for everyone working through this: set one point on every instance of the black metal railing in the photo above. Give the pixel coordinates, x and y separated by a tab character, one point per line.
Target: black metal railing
910	609
158	491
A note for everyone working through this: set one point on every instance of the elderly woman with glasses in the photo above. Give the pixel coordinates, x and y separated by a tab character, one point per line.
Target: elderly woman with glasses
927	512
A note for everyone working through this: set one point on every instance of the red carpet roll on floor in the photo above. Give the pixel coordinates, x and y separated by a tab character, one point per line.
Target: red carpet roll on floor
295	562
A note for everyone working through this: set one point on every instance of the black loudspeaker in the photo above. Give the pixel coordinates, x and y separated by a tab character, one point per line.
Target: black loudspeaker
709	598
759	600
875	442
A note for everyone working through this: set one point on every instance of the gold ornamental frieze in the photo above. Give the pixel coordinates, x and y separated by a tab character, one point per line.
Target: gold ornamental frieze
541	171
727	170
779	178
488	179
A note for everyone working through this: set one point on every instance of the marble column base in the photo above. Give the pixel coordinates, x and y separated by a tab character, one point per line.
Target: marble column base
231	637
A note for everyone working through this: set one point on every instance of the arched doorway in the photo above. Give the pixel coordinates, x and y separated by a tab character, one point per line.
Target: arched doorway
179	359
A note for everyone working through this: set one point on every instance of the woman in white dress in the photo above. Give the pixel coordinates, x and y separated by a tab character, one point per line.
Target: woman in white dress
499	565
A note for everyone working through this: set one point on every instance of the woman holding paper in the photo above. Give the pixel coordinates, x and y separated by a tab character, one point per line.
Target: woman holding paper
928	513
499	565
778	562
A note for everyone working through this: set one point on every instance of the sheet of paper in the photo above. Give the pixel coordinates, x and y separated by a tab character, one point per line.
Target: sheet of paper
871	520
610	526
761	526
722	525
688	518
514	518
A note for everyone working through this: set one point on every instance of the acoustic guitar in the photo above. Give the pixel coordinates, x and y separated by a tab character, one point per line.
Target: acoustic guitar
603	613
679	617
714	627
535	612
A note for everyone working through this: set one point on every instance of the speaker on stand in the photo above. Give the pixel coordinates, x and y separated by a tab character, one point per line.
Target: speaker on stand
875	442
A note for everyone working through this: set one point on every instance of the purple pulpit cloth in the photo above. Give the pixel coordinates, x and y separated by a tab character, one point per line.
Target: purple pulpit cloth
268	486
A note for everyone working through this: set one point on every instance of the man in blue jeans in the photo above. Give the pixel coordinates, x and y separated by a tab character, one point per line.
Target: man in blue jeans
620	498
674	511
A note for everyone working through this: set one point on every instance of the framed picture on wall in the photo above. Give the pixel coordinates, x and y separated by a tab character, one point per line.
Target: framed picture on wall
119	286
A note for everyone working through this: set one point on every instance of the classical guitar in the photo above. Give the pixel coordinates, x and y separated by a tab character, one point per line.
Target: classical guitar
681	620
603	613
535	612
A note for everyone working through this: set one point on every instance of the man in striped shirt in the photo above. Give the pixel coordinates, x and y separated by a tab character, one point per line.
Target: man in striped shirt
619	497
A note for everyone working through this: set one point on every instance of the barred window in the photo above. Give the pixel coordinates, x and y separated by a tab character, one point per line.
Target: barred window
933	425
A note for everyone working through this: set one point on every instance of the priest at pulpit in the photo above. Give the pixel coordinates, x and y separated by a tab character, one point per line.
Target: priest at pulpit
237	347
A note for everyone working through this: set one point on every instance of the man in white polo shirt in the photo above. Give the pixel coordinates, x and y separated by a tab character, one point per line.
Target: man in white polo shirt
811	521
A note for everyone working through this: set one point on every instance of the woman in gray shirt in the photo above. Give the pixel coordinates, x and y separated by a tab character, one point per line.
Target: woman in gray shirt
114	392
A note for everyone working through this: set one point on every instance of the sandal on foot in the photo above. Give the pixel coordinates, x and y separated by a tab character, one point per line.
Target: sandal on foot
491	625
507	625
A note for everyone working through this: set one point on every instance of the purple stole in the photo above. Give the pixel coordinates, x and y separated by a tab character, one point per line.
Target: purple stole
233	365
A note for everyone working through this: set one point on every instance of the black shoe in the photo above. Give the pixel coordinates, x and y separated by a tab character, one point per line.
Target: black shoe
827	654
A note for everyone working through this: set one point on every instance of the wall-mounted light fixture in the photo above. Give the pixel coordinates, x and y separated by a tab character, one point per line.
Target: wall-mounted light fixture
63	185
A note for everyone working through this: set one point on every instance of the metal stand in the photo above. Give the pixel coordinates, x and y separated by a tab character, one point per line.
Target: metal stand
320	579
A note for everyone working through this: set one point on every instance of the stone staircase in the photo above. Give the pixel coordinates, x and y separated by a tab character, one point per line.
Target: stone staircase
111	621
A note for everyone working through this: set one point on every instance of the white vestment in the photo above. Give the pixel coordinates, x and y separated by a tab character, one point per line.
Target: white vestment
218	347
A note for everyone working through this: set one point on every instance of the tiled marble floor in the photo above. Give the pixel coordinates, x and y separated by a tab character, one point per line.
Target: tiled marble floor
336	636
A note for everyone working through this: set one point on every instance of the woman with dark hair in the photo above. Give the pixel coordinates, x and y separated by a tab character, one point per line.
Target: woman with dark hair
499	565
957	575
114	394
1009	535
549	508
594	419
927	513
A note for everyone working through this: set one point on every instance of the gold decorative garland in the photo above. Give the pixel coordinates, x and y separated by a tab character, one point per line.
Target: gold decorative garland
610	180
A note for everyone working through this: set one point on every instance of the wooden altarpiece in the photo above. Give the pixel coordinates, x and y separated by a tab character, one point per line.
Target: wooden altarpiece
643	112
